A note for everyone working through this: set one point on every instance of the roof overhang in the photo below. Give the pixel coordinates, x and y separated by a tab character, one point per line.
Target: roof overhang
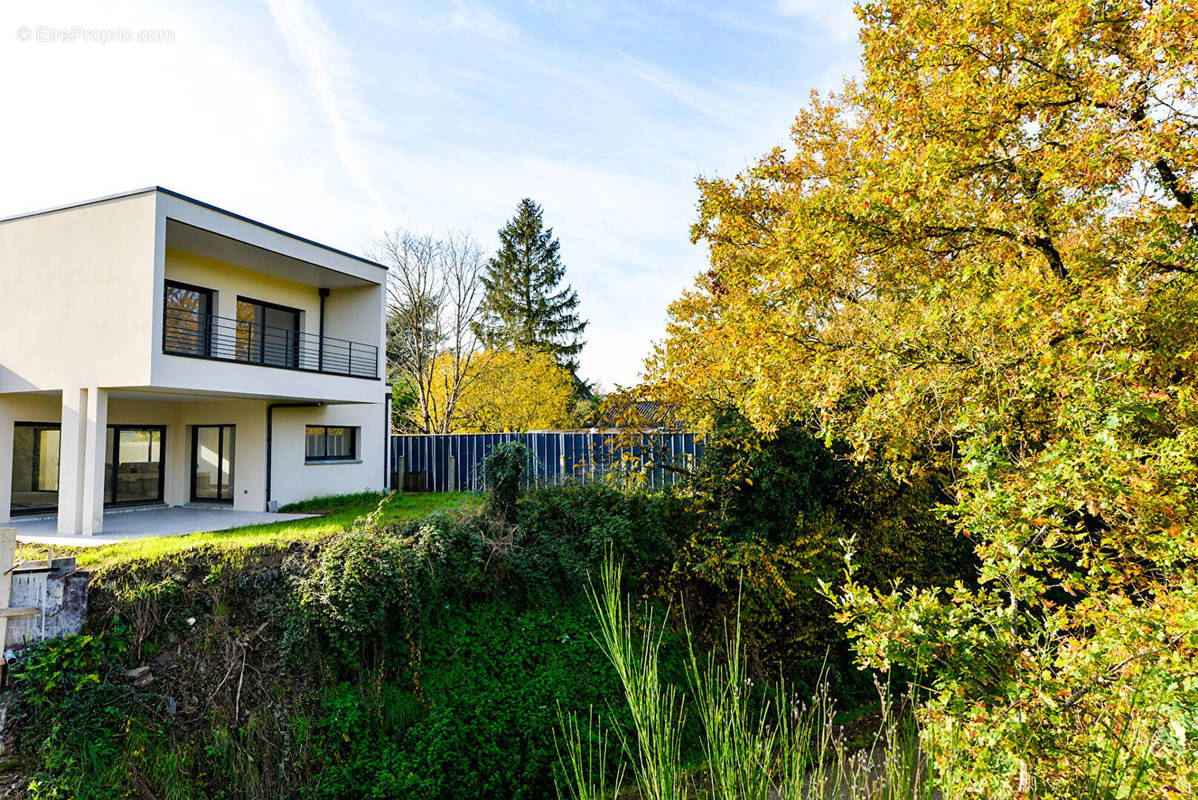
294	256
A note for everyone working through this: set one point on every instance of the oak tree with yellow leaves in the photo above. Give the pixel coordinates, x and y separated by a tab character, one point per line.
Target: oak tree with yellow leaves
980	261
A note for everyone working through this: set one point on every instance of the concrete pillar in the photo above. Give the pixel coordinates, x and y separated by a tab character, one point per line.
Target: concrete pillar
70	460
249	451
175	459
95	441
8	552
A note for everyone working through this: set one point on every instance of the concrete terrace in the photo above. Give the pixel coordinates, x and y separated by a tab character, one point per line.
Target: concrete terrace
124	525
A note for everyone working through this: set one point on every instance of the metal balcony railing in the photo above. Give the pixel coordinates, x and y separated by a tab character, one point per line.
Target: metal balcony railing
186	332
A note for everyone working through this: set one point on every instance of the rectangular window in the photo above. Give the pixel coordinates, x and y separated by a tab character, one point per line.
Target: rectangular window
326	443
34	467
187	320
267	333
133	473
212	460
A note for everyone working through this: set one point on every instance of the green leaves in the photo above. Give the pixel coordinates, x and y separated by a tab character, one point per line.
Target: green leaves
525	305
980	262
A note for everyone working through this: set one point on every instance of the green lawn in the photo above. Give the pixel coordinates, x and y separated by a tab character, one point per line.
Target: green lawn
337	513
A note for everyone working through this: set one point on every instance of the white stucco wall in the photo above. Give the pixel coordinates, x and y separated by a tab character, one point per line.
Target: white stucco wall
78	300
249	417
357	314
230	281
258	235
292	479
296	480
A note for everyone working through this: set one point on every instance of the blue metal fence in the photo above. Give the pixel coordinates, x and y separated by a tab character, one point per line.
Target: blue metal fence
453	462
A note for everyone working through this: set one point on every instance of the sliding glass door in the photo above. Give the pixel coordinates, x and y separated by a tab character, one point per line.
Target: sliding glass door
212	464
267	333
35	447
133	473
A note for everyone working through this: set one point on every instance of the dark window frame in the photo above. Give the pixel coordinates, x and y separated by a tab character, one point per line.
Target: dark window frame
20	512
110	492
219	340
296	330
205	321
195	436
326	458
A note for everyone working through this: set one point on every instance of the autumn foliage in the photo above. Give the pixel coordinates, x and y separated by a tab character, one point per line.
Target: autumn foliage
506	390
980	262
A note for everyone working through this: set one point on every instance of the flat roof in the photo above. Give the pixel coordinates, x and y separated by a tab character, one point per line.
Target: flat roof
202	204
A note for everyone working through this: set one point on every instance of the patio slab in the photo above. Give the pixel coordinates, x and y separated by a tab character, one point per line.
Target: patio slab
121	526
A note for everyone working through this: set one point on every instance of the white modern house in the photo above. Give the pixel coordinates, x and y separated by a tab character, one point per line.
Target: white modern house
156	350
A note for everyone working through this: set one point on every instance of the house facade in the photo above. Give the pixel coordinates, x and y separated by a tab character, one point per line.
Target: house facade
157	350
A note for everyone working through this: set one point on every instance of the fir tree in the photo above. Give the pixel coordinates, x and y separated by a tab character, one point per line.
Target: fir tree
525	304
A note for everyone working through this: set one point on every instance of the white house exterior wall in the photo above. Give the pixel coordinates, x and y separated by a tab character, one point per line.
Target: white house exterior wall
78	303
294	479
350	313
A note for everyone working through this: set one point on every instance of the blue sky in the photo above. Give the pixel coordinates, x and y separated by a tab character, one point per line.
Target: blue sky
341	120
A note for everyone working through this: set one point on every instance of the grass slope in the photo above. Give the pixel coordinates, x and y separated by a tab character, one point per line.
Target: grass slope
336	514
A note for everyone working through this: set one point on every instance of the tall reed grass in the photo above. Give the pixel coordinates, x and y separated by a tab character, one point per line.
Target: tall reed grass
757	743
767	743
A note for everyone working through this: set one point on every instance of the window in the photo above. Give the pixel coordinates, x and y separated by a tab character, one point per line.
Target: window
133	473
187	320
331	444
267	334
34	467
212	457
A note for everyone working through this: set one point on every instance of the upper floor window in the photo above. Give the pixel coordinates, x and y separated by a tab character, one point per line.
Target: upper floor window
187	319
327	443
267	333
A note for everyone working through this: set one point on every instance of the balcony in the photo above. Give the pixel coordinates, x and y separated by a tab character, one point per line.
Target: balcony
187	332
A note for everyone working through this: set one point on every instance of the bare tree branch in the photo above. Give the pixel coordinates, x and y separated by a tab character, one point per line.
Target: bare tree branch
433	297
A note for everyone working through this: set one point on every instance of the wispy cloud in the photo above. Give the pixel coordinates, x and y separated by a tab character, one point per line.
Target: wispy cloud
313	47
477	18
683	91
835	16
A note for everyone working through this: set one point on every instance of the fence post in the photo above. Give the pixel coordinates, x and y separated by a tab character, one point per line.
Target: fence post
451	483
561	458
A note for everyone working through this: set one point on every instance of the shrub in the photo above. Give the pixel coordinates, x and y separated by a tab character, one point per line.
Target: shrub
76	715
565	532
369	592
503	472
355	590
771	519
474	731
